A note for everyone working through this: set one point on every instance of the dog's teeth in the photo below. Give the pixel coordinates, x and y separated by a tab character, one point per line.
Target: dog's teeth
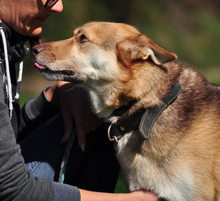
37	65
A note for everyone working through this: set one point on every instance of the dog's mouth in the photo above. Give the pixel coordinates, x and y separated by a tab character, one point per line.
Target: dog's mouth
45	69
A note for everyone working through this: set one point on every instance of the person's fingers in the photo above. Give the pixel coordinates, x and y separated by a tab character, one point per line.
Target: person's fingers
81	124
75	106
81	134
68	127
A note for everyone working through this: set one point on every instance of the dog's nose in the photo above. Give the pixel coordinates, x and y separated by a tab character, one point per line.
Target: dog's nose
37	49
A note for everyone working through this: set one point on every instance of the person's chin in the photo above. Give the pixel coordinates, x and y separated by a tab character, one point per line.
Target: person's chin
36	32
35	27
32	32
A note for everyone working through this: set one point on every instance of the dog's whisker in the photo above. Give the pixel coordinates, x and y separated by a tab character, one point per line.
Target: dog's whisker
72	24
91	86
84	83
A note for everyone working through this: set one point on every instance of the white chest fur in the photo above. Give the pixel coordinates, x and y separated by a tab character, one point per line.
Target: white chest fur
142	172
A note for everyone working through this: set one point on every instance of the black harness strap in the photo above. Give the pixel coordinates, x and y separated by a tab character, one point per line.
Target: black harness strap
142	120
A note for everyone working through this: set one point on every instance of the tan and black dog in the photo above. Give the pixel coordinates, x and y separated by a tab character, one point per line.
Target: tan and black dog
165	116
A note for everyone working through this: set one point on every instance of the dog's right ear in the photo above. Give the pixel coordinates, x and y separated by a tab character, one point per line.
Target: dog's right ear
142	48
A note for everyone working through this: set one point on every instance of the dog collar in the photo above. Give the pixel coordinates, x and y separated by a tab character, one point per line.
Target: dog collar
143	119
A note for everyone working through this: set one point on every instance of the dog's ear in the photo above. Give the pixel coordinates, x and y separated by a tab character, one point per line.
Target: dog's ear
141	47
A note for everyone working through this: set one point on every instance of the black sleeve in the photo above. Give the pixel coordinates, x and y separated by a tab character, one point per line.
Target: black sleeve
34	113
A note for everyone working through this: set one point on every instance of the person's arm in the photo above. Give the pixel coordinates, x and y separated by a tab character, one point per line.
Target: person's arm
75	107
72	102
134	196
35	112
16	182
67	192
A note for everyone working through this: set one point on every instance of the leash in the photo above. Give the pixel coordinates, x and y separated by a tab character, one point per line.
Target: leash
143	119
66	157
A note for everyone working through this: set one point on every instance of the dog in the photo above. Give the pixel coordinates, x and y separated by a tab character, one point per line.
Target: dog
164	115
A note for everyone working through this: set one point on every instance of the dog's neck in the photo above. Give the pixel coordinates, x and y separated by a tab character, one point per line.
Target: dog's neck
104	107
106	98
142	119
98	105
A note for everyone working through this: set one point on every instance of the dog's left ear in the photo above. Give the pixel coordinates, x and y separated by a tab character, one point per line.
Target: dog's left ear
141	47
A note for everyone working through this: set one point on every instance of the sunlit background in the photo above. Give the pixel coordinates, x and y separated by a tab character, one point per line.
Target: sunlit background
190	28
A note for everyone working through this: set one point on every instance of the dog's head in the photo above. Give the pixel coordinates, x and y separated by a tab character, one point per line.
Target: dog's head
108	58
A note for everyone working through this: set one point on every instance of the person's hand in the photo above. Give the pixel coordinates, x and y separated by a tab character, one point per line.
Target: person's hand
75	107
145	196
136	195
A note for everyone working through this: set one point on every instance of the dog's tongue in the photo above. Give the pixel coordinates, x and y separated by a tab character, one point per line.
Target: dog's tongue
37	65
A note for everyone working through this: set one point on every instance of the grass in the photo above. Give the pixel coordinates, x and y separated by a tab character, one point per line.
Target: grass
121	186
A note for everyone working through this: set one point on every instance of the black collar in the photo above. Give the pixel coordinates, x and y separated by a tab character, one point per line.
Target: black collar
143	119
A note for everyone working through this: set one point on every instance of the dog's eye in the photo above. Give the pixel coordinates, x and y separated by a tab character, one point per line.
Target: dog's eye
83	39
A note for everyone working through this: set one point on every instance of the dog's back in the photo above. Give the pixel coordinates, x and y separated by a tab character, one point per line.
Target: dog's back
181	159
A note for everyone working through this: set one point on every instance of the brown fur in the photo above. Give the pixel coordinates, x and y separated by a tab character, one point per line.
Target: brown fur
115	63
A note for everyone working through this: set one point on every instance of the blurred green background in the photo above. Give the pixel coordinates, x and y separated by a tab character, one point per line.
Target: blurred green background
190	28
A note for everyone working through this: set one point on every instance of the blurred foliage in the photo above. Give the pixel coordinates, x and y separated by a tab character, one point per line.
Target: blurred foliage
121	186
190	28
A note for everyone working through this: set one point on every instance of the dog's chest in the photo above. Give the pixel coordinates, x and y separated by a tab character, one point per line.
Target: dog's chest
142	172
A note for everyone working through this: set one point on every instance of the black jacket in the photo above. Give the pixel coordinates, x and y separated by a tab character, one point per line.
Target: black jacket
16	182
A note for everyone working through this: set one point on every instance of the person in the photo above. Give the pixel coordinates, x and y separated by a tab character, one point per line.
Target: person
30	148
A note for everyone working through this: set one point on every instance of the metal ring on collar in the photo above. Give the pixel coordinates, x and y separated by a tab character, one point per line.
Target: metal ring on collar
109	135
